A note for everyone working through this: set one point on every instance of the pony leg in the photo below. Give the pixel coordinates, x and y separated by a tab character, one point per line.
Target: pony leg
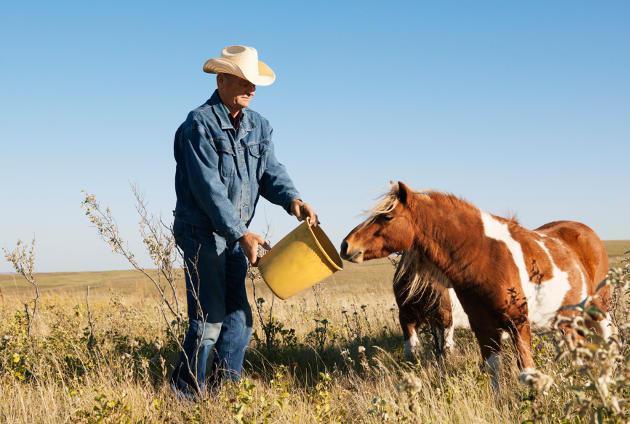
489	339
521	336
444	322
439	338
490	352
449	342
410	336
522	340
412	342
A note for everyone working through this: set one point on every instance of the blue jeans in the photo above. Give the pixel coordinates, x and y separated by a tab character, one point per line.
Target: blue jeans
219	314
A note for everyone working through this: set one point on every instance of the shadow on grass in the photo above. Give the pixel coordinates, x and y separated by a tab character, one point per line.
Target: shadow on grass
306	362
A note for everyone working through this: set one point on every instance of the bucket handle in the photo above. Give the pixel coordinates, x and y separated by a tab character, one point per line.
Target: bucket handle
308	221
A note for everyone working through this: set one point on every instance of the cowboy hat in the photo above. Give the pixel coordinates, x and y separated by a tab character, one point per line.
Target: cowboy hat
243	62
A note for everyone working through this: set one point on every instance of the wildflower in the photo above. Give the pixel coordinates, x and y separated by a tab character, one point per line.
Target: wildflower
410	384
537	380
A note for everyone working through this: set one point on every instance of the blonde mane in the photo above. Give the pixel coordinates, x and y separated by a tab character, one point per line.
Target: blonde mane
388	202
415	274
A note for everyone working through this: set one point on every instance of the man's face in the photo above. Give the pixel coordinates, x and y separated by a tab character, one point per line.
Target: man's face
235	92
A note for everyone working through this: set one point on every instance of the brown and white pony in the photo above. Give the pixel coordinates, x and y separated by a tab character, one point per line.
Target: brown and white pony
507	278
423	298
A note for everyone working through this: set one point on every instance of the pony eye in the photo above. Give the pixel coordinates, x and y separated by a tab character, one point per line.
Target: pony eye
388	217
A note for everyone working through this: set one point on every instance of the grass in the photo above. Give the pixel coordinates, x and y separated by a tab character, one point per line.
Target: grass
335	356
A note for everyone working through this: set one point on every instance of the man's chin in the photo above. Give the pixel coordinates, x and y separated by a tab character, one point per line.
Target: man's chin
244	102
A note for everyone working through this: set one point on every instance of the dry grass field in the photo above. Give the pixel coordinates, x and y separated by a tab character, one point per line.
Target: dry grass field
616	250
331	354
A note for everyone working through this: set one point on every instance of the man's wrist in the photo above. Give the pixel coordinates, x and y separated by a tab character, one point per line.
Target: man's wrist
294	201
289	198
298	203
236	234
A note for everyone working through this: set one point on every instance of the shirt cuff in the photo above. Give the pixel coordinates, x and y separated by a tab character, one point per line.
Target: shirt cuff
233	234
290	198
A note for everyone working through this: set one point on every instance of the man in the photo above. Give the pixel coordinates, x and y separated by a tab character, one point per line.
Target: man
225	161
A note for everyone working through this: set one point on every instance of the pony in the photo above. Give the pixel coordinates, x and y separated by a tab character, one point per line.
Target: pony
422	296
507	278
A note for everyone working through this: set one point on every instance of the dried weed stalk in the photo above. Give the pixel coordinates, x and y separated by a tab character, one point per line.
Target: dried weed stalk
22	258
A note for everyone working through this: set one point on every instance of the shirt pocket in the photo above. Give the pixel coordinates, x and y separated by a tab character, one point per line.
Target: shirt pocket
257	153
227	166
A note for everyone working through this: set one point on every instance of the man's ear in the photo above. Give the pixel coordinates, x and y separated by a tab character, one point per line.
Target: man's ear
404	193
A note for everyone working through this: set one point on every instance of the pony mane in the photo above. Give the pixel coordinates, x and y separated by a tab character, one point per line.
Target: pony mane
388	202
415	274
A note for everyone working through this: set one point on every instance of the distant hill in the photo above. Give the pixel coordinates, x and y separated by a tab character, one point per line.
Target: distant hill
376	272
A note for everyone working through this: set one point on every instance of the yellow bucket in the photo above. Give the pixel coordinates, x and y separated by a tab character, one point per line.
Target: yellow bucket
301	259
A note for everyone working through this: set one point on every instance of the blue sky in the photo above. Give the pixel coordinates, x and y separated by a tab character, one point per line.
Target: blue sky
520	107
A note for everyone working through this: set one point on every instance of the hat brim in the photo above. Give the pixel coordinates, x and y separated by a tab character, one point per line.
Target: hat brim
265	75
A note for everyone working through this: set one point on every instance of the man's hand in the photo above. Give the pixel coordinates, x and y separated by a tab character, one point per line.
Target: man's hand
249	243
302	211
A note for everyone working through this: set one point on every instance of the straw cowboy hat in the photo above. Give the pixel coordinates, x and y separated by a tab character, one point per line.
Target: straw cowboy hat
243	62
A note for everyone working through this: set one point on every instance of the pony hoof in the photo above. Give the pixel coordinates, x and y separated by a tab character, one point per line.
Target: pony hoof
412	355
536	379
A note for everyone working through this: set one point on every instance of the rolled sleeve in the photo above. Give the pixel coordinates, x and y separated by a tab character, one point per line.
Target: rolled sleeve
275	184
201	164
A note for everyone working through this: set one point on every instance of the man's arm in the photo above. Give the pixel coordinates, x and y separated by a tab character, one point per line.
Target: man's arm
277	187
275	184
201	165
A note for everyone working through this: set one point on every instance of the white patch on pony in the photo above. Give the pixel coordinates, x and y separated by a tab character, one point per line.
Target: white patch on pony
543	300
584	288
495	229
412	344
460	318
584	291
549	294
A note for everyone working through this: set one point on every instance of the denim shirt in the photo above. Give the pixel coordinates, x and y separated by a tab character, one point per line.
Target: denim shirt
221	172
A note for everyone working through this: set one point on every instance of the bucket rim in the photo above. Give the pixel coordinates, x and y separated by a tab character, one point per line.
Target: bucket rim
321	248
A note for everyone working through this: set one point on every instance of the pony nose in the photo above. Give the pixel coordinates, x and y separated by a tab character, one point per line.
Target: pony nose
344	249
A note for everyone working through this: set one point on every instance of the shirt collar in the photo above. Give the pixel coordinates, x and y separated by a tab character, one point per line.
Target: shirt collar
221	111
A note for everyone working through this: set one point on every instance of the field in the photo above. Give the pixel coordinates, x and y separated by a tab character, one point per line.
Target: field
331	354
616	250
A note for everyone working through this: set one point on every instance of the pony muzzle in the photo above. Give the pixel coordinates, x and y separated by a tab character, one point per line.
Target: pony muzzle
349	253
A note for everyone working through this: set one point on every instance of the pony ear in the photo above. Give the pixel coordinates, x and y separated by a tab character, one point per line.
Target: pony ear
404	193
